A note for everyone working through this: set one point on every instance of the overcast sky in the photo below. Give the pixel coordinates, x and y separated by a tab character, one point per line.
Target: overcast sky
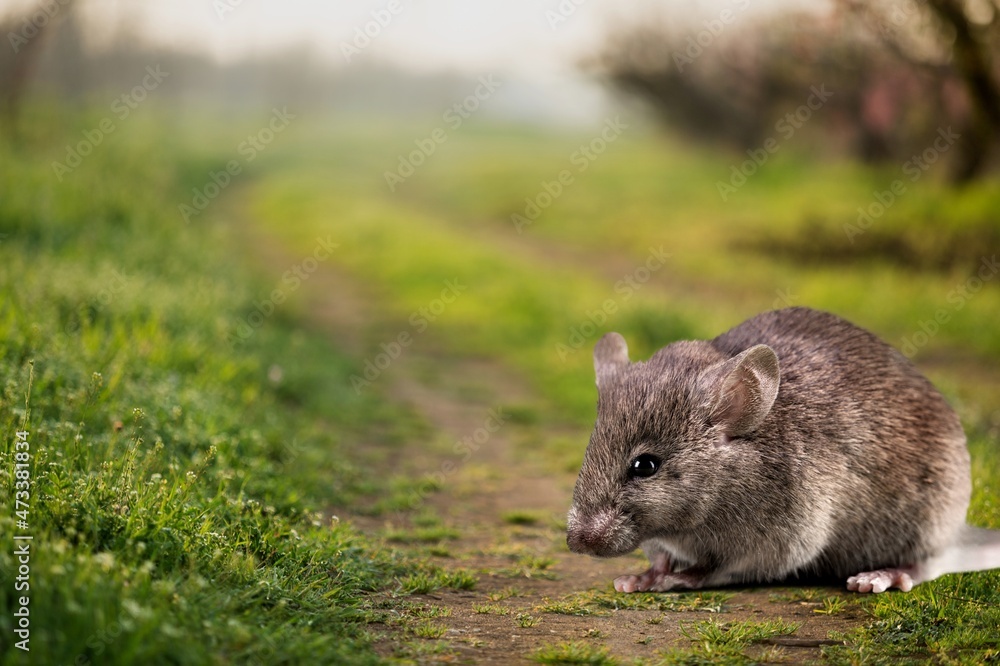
537	43
527	37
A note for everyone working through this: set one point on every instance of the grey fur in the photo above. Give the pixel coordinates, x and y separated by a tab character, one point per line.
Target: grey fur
795	443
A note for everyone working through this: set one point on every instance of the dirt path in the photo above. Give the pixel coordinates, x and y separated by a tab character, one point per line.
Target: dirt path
506	511
531	559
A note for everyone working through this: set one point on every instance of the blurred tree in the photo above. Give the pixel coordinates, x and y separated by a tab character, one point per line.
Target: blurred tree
895	77
963	36
26	33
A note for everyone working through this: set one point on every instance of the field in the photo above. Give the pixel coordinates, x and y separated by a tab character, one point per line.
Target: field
326	418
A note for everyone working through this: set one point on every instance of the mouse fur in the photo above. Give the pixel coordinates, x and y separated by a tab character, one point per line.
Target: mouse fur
795	444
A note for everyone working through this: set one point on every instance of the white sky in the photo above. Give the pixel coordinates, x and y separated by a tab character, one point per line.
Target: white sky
513	39
514	36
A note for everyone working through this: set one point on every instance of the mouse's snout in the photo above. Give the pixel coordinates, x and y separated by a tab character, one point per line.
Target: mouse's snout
605	533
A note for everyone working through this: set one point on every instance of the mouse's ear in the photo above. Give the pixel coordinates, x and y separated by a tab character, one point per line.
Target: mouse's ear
743	390
610	356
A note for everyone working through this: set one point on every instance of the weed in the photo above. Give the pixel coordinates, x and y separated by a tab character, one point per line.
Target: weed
426	519
432	534
802	594
428	630
459	579
574	653
505	593
524	620
417	650
419	583
530	565
738	634
425	582
490	609
832	606
522	414
711	602
522	517
439	550
564	608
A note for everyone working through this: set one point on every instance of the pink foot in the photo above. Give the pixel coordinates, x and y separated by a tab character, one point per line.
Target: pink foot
881	580
658	578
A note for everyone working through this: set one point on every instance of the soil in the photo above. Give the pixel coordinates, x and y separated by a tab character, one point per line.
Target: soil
505	476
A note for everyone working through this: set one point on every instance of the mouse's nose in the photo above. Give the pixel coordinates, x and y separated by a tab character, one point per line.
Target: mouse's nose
590	534
582	541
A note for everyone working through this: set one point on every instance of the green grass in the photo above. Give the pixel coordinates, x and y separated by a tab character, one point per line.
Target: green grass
505	593
428	630
522	517
181	489
490	609
422	534
530	565
184	489
832	606
530	298
598	601
565	608
736	643
525	620
433	578
738	634
574	653
952	620
543	291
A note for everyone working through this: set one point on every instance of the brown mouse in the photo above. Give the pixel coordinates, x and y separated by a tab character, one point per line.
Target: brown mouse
796	444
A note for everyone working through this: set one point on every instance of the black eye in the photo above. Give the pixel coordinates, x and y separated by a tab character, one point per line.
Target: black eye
643	466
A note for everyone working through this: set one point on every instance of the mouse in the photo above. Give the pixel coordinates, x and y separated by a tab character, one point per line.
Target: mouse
796	444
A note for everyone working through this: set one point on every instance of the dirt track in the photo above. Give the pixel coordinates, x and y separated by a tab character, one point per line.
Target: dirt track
507	510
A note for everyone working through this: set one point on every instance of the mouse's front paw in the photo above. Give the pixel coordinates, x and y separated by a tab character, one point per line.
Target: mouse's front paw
648	581
657	580
881	580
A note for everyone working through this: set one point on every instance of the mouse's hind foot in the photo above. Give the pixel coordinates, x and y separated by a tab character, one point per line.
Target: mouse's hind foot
877	582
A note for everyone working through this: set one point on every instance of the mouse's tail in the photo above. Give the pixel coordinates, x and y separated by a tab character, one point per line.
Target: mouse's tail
976	549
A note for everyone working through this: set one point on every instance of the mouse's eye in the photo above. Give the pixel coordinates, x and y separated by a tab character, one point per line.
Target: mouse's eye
643	466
